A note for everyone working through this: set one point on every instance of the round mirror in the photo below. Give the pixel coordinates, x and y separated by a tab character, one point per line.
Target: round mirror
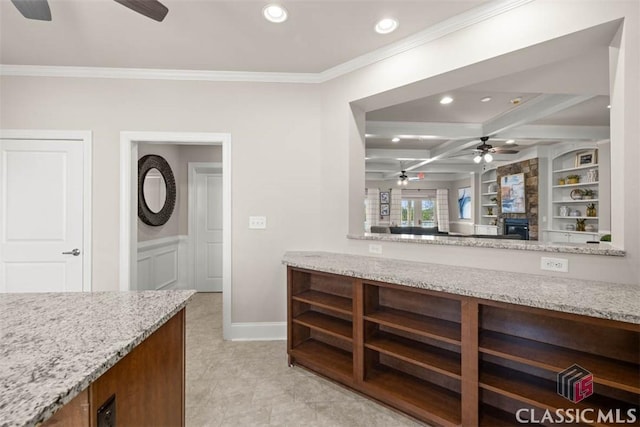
156	190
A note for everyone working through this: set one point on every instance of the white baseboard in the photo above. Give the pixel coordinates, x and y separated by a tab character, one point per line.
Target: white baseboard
259	331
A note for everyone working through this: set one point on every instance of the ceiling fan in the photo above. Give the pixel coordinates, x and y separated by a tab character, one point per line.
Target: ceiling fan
39	9
485	151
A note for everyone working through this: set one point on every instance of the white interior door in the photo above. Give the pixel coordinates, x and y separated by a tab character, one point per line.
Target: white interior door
41	215
208	205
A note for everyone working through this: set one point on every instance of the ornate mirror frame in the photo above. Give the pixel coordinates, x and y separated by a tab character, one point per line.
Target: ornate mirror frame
146	215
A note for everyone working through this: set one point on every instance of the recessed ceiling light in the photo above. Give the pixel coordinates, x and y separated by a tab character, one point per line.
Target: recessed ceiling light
446	100
386	26
609	106
486	99
275	13
396	139
510	141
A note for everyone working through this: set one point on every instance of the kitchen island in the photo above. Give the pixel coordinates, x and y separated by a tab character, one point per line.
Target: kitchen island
55	347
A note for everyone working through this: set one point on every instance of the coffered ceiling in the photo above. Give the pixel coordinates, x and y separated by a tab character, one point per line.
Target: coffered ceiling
563	101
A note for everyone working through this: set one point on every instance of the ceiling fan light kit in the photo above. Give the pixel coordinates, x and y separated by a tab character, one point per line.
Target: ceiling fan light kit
403	179
40	11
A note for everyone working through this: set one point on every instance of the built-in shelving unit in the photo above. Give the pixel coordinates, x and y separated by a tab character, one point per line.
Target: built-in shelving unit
563	225
522	350
453	360
321	324
488	208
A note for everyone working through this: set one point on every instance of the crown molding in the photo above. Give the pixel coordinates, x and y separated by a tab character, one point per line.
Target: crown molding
434	32
441	29
154	74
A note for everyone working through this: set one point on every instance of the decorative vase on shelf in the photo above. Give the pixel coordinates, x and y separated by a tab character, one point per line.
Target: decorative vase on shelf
561	181
580	224
489	211
591	209
573	179
576	194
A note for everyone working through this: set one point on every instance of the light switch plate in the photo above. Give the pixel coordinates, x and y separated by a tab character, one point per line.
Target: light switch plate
257	222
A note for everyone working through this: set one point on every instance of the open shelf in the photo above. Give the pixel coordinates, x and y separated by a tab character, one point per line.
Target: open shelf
330	325
614	373
332	361
593	166
576	201
532	390
575	217
325	300
423	355
414	396
580	184
431	327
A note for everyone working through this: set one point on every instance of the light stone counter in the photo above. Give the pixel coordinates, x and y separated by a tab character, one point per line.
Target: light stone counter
53	345
602	248
597	299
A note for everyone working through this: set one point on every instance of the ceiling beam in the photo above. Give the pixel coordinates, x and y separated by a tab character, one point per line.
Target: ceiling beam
591	133
532	110
428	130
406	153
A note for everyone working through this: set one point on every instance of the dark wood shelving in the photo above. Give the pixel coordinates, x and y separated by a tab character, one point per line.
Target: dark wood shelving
330	325
325	300
423	355
453	360
494	417
331	361
614	373
417	397
538	392
431	327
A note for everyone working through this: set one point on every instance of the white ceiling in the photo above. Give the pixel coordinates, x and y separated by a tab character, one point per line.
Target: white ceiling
224	35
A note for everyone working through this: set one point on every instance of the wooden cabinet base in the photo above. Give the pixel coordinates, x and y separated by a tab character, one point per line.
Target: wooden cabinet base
453	360
148	385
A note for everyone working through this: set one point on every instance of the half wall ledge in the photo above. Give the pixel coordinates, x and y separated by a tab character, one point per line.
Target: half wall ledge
602	248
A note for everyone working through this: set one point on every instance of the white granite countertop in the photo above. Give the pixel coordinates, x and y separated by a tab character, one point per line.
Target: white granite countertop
602	248
53	345
590	298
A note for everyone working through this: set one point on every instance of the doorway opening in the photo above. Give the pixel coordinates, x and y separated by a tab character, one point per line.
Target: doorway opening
129	144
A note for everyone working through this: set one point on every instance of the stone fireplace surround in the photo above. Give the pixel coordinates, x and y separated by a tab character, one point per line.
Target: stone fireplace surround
530	170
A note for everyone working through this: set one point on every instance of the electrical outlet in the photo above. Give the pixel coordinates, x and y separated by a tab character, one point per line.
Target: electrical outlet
375	249
554	264
257	222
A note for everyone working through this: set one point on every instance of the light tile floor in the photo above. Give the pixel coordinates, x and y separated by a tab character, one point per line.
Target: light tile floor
249	383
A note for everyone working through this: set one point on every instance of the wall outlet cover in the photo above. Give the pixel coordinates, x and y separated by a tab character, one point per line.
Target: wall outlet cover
554	264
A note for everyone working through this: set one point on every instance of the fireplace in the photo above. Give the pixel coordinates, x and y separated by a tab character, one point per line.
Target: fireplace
517	226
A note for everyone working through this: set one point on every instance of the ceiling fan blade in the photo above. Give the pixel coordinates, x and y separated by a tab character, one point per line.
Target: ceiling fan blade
505	151
33	9
150	8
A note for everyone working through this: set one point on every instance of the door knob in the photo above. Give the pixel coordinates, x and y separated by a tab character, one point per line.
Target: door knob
74	252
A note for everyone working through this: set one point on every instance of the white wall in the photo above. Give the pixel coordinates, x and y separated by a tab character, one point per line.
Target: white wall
298	152
464	58
276	160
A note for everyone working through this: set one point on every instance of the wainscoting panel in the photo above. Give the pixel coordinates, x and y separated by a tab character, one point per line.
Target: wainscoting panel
162	263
